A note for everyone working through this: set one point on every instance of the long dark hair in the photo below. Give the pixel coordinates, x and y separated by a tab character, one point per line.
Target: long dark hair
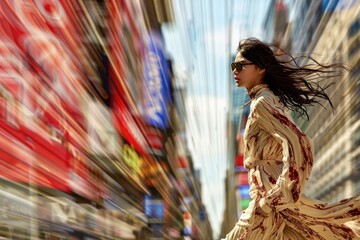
296	86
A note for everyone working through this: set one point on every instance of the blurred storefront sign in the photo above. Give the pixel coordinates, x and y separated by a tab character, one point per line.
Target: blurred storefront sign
242	179
83	179
242	184
239	163
41	90
27	158
133	160
243	198
154	209
18	208
187	223
152	173
182	163
244	203
126	51
15	205
66	212
244	191
47	35
155	138
126	125
83	219
157	87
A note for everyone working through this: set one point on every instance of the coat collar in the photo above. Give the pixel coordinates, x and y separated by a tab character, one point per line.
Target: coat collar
256	89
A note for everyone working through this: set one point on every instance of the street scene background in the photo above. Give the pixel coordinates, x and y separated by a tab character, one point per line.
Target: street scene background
120	119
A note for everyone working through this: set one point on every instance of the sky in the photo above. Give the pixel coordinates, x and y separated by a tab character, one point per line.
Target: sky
201	40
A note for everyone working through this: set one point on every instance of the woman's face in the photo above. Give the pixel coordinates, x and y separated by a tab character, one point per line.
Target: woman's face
248	74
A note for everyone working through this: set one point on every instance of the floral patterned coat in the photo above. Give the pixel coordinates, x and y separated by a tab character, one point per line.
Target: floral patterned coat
279	157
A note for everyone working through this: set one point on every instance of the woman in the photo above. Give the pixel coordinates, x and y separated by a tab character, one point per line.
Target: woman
279	155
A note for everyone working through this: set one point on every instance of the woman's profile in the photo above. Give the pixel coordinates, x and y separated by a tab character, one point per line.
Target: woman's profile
279	156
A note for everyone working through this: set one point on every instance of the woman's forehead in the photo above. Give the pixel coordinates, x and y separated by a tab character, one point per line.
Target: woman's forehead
239	57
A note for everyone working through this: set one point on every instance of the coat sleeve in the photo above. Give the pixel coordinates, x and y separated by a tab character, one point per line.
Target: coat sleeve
297	155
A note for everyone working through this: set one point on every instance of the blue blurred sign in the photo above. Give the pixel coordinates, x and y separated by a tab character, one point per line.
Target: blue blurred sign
154	208
244	191
202	215
329	5
338	5
187	231
157	83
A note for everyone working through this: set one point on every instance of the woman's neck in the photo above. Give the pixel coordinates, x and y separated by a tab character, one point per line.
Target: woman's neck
255	89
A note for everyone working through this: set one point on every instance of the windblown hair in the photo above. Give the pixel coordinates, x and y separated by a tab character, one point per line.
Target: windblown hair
296	86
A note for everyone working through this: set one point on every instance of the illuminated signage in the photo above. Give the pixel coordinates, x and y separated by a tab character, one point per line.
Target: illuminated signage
157	87
244	191
132	159
154	209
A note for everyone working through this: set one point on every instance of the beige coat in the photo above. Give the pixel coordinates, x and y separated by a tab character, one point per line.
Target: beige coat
279	158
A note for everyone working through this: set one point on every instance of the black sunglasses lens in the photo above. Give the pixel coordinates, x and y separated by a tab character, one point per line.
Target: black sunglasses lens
236	65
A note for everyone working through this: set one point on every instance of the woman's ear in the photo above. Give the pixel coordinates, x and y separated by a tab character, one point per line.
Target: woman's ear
261	70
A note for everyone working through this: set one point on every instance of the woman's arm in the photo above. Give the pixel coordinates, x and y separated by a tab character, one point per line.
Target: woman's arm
297	155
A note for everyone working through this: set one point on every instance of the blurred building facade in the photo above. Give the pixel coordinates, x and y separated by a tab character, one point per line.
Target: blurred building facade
335	134
92	125
236	184
329	32
276	22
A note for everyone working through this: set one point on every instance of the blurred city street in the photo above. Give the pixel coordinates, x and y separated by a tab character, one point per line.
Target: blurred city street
120	119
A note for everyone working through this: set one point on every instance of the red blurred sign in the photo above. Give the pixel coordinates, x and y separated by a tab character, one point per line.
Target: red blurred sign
154	138
41	86
242	179
26	159
239	160
46	36
182	162
125	72
126	125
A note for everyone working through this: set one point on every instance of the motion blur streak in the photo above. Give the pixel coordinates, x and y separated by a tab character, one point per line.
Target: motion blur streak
89	133
98	101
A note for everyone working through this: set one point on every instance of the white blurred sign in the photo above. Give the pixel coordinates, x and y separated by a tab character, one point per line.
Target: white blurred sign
103	137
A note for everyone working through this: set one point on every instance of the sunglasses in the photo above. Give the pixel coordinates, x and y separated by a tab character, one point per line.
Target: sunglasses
239	65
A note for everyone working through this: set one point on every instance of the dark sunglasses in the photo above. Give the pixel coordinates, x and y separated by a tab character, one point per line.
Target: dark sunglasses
239	65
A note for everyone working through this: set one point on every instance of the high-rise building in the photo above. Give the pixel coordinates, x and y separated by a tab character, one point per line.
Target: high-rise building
336	134
329	31
236	120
